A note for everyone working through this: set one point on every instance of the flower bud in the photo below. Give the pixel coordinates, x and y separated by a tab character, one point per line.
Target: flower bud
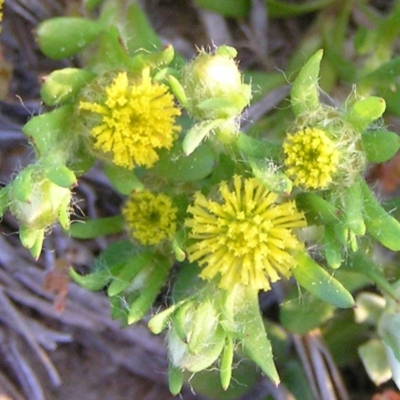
213	85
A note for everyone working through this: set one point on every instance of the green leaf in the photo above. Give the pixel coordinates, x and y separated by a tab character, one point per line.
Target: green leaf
253	336
139	307
174	165
382	226
364	112
63	85
256	148
373	356
370	307
94	281
321	284
197	133
227	8
361	263
380	145
60	175
304	94
132	266
124	180
279	9
300	314
94	228
332	248
318	211
46	130
63	37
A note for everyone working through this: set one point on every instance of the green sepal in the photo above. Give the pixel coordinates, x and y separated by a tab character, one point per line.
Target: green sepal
157	59
317	210
28	236
178	90
37	246
94	281
255	342
179	319
197	134
156	280
177	247
362	264
124	180
380	145
332	248
380	225
63	85
44	130
161	320
203	325
174	165
63	37
21	187
225	368
94	228
365	111
304	95
318	282
208	355
271	177
64	213
60	175
175	379
222	107
132	266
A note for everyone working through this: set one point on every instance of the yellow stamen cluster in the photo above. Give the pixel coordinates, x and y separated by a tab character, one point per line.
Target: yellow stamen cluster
151	218
136	118
246	237
311	158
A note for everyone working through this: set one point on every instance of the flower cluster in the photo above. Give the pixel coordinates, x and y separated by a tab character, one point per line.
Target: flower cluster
311	158
136	118
151	218
246	237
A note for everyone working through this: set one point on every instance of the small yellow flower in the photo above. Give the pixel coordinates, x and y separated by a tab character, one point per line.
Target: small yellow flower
1	13
246	237
136	119
312	158
151	218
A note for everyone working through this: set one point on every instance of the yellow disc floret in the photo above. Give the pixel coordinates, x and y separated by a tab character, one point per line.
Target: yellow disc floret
246	237
311	158
136	118
150	218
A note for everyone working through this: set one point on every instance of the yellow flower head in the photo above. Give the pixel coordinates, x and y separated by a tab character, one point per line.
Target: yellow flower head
311	158
1	13
151	218
246	237
135	119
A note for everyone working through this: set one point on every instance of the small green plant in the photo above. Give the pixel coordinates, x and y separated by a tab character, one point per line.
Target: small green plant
231	212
